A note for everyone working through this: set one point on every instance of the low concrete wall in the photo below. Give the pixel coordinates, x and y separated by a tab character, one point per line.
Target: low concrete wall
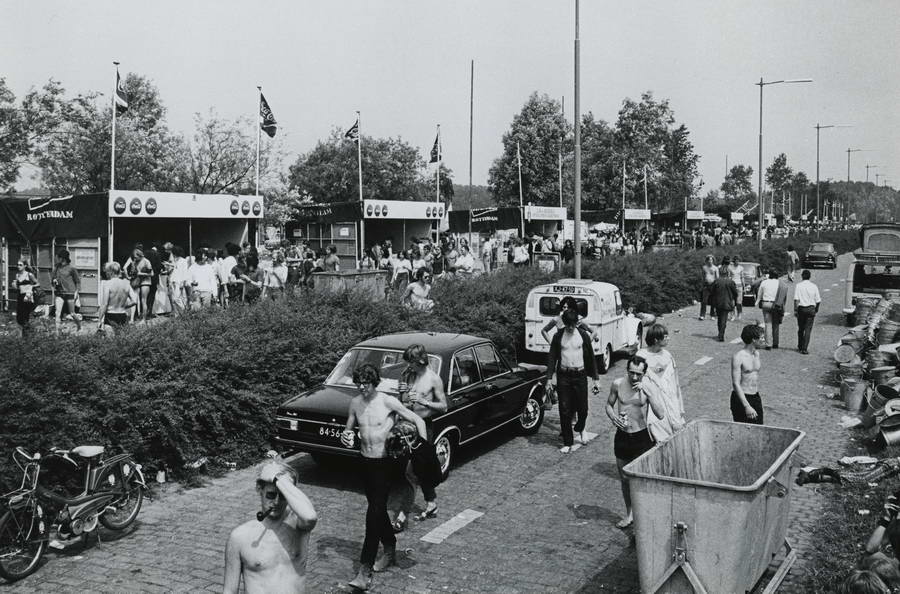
372	282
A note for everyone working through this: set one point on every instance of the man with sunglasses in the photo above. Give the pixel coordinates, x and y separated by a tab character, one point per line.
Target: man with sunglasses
373	413
270	553
416	294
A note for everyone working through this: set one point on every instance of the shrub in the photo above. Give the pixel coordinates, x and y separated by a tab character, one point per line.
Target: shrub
207	383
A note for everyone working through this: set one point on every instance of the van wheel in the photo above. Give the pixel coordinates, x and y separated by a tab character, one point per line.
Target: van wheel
604	361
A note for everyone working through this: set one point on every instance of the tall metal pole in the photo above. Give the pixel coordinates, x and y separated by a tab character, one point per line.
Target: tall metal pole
559	155
818	198
112	154
761	203
521	199
577	120
437	183
471	128
646	207
362	219
258	133
623	197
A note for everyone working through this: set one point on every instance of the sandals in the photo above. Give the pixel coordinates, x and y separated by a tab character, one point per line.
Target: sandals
429	513
399	525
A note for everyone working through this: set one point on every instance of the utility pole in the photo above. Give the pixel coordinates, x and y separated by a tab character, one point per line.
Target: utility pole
577	117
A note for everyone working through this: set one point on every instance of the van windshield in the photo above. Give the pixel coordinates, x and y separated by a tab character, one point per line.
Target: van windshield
551	306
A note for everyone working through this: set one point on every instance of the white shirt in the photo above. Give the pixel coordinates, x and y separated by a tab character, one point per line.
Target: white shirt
571	353
205	277
806	294
768	290
466	263
224	269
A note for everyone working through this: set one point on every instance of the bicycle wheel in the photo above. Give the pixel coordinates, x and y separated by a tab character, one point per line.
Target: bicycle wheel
122	511
22	542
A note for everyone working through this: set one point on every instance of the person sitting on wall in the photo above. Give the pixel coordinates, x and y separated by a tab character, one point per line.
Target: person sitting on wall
416	295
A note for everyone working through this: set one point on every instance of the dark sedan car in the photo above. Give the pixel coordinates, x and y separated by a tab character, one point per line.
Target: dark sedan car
821	254
484	393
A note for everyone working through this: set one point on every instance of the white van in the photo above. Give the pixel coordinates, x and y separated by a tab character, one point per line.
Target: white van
600	306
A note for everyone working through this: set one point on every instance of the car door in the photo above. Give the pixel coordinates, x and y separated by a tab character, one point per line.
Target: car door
620	339
501	400
465	394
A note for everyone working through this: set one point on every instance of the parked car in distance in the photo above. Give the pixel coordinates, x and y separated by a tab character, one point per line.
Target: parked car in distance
484	393
820	254
750	280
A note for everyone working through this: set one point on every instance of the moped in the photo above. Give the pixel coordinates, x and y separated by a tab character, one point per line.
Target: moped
113	491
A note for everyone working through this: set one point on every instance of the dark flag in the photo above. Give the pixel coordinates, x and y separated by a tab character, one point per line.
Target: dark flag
436	149
353	132
268	123
121	95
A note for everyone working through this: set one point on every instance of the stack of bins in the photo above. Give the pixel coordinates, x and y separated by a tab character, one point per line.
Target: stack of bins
730	484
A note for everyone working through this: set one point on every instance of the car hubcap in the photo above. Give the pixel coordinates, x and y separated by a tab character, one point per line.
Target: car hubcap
531	414
442	449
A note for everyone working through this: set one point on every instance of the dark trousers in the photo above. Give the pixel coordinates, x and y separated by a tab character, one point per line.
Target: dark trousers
573	399
377	476
722	317
23	311
739	415
805	318
705	295
426	466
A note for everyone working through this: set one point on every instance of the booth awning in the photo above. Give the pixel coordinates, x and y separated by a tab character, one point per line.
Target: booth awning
485	219
335	212
35	219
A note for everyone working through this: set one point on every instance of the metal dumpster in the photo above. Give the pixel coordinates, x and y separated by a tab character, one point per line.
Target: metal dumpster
711	507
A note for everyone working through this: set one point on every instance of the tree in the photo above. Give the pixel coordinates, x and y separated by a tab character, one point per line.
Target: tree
539	130
223	156
642	136
738	184
601	167
678	174
426	182
779	174
392	170
76	157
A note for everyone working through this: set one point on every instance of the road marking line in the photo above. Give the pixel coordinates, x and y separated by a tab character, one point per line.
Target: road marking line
702	360
737	340
439	534
826	290
588	437
834	285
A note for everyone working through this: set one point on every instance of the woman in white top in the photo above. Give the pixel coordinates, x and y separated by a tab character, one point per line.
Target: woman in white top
663	374
402	272
465	264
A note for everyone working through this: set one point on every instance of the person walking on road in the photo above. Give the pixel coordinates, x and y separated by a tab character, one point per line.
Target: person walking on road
710	274
570	362
626	407
736	272
724	295
270	553
792	261
806	306
768	295
373	413
662	373
746	403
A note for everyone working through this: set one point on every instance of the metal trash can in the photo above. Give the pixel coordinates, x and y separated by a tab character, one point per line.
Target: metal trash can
711	507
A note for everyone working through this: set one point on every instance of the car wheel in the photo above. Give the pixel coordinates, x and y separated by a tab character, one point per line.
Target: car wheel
445	447
604	362
532	413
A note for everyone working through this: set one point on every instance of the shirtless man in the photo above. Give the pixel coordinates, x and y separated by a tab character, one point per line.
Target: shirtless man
626	407
416	294
371	411
422	391
746	403
270	554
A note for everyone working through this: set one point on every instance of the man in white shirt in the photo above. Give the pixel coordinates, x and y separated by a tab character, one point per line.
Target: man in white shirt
487	253
806	306
765	300
204	280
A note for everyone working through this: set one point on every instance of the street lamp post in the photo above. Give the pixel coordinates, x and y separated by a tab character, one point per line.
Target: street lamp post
846	208
818	198
760	202
867	170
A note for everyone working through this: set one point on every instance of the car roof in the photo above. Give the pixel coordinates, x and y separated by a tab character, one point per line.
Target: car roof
436	343
814	244
587	283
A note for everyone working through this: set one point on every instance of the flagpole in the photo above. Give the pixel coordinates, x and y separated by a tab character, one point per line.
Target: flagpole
559	155
112	157
362	220
645	189
258	132
437	182
471	127
521	205
623	197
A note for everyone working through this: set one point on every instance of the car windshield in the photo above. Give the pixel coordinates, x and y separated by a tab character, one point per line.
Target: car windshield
820	247
390	365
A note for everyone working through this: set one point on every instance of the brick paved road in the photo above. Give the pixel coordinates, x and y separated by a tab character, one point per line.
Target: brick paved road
549	520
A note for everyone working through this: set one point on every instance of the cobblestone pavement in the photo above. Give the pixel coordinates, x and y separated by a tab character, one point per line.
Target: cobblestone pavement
548	522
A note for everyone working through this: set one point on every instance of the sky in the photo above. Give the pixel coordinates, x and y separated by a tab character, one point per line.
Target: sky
405	65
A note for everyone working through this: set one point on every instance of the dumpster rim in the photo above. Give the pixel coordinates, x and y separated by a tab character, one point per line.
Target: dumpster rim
755	486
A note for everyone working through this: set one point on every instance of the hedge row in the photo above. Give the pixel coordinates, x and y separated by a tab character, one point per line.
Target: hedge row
207	384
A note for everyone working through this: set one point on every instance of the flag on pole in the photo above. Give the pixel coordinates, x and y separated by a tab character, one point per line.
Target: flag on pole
268	123
353	132
121	94
436	149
